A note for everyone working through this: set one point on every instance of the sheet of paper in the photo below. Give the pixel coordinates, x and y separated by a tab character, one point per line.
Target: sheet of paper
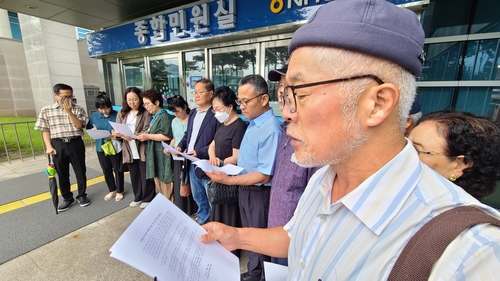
98	134
177	158
122	129
163	242
275	272
185	155
229	169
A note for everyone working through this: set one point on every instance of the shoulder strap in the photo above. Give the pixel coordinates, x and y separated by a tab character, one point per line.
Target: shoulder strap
427	245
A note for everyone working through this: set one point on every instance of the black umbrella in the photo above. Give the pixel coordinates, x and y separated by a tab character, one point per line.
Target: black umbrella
51	173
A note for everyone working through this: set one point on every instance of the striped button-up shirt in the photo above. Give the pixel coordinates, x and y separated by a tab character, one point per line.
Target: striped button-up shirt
53	119
360	236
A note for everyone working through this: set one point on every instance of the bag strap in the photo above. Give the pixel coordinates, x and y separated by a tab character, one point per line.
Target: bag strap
427	245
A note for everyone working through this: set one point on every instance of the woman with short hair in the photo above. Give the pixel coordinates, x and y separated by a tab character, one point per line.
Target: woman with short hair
109	163
461	147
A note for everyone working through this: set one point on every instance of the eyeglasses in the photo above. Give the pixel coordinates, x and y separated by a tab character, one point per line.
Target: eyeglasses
215	110
199	93
292	103
429	152
245	102
146	104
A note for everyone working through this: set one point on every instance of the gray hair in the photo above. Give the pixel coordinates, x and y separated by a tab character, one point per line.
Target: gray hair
348	63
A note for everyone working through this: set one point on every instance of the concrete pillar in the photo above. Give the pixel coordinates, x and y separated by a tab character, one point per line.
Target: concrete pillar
52	56
5	31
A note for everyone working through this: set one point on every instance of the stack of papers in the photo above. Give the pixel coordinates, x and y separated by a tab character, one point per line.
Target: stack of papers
164	242
229	169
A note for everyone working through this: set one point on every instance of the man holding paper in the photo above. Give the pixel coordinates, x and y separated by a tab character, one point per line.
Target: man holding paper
200	132
350	86
257	154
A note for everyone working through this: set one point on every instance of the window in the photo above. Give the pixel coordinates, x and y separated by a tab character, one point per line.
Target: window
15	28
81	33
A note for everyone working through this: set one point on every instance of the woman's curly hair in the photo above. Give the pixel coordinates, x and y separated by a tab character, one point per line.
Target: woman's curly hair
478	139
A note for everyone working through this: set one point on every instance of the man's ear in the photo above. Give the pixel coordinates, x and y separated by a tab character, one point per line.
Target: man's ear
264	99
380	102
409	120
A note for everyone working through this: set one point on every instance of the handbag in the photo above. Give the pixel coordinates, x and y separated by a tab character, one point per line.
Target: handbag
185	189
219	193
108	148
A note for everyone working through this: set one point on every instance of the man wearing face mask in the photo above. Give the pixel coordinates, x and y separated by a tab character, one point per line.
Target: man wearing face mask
225	148
257	155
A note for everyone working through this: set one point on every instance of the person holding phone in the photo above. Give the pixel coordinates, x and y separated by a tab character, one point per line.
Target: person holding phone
62	126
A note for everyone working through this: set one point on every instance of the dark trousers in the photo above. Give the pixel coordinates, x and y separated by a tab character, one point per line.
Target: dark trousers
73	153
144	190
110	164
254	210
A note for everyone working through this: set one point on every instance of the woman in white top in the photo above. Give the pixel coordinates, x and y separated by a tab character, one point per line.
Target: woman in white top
138	119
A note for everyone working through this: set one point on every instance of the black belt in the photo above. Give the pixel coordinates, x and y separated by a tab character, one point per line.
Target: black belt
255	187
68	139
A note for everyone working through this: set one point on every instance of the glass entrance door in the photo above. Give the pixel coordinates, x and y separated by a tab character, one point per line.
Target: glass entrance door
134	74
165	75
231	64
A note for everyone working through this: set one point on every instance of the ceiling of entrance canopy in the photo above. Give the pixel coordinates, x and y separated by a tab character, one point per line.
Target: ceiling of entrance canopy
90	14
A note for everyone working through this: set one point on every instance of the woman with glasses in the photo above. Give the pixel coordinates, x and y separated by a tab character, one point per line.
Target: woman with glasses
225	147
137	119
158	165
109	163
461	147
182	196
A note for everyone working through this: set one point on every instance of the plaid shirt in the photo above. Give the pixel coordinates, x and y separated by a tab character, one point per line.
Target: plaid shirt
53	119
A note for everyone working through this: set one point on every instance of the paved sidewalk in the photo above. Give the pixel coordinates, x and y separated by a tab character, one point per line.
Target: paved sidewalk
80	255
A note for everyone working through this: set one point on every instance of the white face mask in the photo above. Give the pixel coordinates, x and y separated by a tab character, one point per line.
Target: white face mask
222	116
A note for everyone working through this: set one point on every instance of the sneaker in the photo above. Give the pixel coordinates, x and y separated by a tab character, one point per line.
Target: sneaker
144	205
135	204
66	204
84	201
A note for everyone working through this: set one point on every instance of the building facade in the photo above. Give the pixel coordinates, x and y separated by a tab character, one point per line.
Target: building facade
35	54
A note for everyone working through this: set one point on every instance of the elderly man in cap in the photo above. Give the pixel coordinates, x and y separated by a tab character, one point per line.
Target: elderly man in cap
413	117
351	83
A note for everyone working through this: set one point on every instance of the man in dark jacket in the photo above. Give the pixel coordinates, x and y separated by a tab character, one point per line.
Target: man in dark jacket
199	134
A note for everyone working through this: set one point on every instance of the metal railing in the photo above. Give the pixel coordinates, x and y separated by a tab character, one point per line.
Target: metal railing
20	140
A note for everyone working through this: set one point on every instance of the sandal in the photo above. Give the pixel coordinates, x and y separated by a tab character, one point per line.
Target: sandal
109	196
119	197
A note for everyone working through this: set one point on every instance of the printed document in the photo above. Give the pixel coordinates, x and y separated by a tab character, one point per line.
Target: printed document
122	129
164	242
229	169
98	134
275	272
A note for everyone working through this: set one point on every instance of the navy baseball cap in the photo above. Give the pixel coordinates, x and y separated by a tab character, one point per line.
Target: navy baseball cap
275	74
374	27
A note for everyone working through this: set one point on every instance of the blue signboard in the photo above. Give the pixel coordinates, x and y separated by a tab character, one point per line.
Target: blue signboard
214	18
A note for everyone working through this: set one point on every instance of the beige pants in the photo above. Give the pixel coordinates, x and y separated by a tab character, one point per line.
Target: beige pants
166	189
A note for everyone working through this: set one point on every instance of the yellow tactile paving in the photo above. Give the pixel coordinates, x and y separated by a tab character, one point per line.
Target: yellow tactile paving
42	197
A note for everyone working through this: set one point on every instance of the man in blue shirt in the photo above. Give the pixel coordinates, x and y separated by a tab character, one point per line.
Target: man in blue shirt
256	156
